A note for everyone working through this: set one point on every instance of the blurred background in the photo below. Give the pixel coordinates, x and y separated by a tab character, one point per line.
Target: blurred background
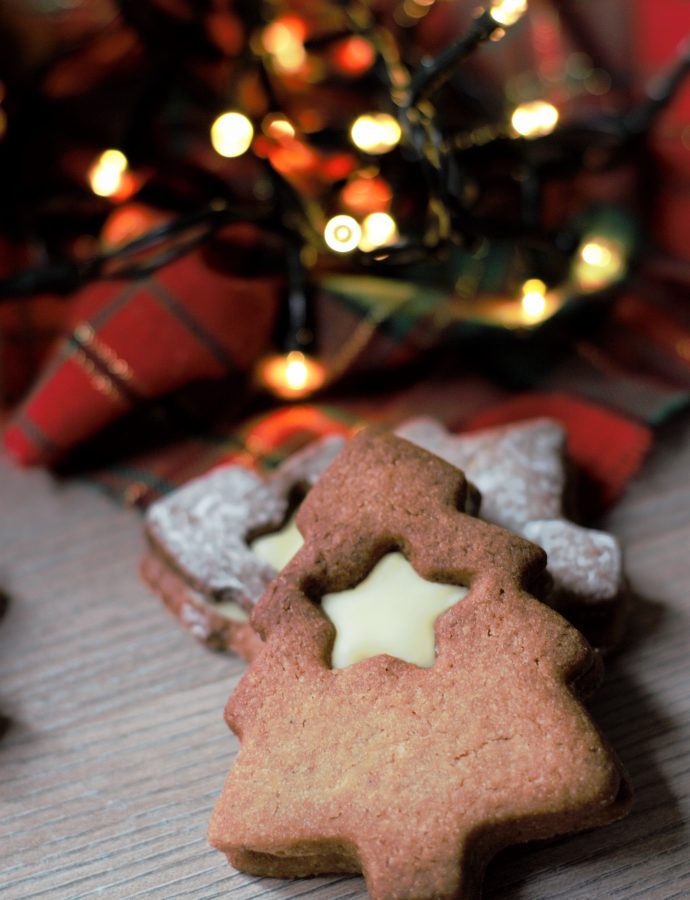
215	211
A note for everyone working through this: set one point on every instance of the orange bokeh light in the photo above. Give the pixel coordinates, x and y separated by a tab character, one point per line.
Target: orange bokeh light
366	195
291	375
353	56
127	223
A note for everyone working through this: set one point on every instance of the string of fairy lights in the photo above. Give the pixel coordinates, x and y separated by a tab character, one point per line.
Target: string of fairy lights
357	218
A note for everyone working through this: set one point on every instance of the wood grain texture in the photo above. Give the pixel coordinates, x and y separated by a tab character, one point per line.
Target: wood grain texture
116	748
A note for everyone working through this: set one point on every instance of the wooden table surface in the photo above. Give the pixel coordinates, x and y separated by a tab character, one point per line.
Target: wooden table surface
116	747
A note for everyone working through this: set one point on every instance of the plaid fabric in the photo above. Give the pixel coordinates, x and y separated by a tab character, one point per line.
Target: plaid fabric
606	449
147	366
29	331
656	39
130	342
260	443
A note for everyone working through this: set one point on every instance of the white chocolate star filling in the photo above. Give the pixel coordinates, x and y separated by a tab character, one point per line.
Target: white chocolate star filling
392	611
278	547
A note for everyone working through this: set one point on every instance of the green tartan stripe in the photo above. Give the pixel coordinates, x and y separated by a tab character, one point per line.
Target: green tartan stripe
398	306
119	300
193	326
34	433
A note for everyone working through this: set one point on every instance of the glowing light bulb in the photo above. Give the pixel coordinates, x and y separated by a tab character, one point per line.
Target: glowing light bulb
354	55
414	9
535	118
507	12
342	233
278	127
378	230
106	175
533	300
231	134
366	193
375	132
292	375
128	222
296	372
595	253
284	41
599	262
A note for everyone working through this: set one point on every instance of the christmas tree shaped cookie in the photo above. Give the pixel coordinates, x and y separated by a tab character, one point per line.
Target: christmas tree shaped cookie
414	773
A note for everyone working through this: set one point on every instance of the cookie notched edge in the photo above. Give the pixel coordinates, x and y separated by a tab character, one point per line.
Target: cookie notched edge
416	777
384	493
522	471
198	554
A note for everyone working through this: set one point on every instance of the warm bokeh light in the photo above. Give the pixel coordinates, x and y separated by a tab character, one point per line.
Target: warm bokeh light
283	39
342	233
292	375
533	300
507	12
414	9
596	253
231	134
375	132
534	118
599	262
106	175
127	223
378	230
293	158
353	55
278	127
366	194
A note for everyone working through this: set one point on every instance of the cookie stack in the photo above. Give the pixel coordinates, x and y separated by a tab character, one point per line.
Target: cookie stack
413	699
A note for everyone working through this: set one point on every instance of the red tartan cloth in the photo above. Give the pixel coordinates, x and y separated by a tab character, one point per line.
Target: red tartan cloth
658	30
129	342
606	448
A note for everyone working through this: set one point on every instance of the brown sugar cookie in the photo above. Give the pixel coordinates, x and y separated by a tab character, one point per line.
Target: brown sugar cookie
414	775
200	559
521	472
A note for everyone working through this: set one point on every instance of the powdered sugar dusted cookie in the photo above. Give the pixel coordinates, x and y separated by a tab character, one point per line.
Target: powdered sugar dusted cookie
201	561
588	581
413	771
520	470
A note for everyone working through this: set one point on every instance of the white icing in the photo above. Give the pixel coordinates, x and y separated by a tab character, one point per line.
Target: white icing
392	611
278	547
520	473
582	561
202	527
518	468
